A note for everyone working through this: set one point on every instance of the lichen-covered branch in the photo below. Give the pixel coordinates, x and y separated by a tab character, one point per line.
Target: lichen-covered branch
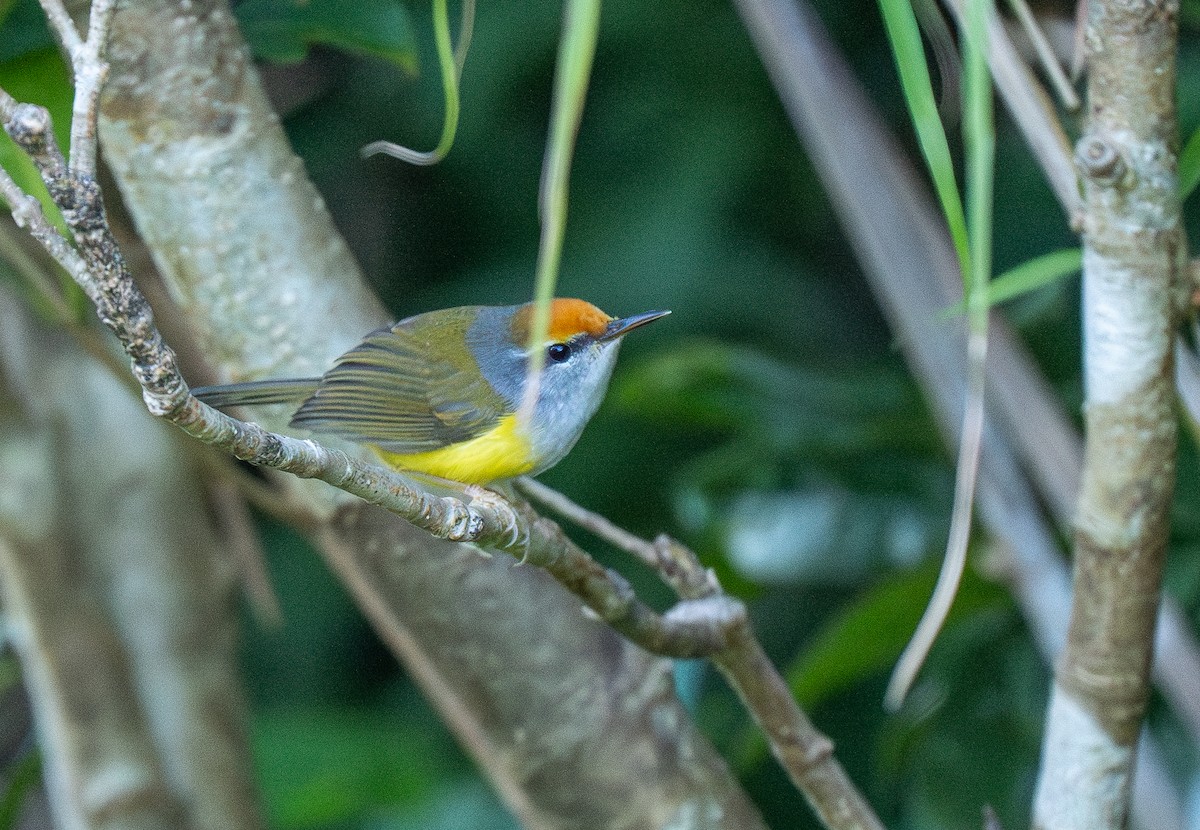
491	523
805	753
1133	253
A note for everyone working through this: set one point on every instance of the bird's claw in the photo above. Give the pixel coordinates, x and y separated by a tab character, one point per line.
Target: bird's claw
486	498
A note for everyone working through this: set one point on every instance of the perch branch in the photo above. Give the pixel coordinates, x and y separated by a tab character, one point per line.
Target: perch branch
805	753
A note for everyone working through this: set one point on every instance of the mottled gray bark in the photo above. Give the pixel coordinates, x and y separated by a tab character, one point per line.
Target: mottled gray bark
1133	257
102	767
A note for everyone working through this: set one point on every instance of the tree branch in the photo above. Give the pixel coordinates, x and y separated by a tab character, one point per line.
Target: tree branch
805	753
1133	256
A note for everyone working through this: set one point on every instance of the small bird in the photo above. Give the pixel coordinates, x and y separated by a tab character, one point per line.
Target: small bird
439	394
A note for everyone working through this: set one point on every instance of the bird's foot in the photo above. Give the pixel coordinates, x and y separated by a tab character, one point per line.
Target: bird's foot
519	537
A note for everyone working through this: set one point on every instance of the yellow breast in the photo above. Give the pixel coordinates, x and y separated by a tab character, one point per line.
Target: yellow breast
503	452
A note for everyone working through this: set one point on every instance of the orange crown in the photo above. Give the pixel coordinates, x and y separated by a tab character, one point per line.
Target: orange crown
568	317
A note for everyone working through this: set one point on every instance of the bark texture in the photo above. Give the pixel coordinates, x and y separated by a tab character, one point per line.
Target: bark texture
135	531
1133	250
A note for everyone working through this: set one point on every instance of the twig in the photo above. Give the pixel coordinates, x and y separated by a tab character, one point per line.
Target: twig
619	537
64	27
88	70
1050	65
705	622
491	523
237	530
805	753
705	625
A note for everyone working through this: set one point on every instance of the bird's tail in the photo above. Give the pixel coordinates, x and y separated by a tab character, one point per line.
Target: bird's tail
258	392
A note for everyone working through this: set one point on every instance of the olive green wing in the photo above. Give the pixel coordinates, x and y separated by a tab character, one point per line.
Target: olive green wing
257	392
408	388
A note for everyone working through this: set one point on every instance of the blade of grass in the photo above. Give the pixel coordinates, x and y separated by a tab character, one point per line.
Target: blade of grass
581	28
1026	277
905	37
979	138
450	61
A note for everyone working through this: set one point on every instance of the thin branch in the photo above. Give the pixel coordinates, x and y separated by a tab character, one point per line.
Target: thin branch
1049	61
705	623
89	71
555	501
60	21
491	523
239	536
805	753
300	302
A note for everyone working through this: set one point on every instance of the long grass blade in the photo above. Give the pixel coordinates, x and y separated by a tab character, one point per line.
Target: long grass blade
581	28
979	138
905	37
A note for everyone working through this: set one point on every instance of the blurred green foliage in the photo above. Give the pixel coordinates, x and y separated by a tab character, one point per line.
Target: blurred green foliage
283	31
769	422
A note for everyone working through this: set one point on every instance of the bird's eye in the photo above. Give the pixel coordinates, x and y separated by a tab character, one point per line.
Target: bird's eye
559	352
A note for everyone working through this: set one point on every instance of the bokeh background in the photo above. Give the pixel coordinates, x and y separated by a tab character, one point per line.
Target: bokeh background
769	422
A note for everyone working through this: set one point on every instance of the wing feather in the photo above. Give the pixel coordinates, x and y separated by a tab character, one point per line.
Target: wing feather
404	391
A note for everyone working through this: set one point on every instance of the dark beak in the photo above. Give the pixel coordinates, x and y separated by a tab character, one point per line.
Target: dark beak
619	328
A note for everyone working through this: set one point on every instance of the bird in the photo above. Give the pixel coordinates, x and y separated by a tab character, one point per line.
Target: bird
440	394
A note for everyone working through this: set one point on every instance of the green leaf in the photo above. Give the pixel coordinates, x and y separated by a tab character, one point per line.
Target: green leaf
1035	273
284	30
979	135
1028	276
905	38
1189	166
